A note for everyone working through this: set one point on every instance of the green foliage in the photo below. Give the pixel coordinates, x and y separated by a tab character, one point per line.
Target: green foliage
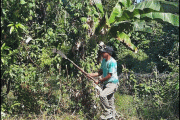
155	95
128	18
89	64
35	82
159	96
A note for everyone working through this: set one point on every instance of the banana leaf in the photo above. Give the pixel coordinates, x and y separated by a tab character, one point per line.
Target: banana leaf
99	7
154	5
134	11
165	17
141	26
116	12
171	7
125	3
121	36
137	25
120	27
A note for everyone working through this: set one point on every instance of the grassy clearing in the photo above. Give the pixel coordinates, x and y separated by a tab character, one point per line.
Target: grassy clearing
125	106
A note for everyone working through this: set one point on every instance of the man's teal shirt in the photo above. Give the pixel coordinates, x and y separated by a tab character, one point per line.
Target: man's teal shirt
110	66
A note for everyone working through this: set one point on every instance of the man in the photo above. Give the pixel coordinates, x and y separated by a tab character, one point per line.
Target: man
109	80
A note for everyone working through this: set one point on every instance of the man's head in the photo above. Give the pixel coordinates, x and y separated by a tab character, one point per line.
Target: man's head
106	49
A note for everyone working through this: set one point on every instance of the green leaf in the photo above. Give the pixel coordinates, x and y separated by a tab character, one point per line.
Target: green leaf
165	17
50	31
31	12
2	60
171	7
145	7
21	26
2	47
141	26
83	19
22	2
71	65
15	104
10	25
11	29
86	26
17	25
107	20
134	11
126	39
177	86
99	7
116	12
6	47
125	3
31	5
154	5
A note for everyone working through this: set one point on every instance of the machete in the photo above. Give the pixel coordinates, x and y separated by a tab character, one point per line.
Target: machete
85	73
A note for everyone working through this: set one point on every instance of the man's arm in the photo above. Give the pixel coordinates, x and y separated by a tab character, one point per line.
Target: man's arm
93	74
106	78
96	74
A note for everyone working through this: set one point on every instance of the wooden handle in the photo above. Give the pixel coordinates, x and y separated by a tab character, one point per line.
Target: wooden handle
85	73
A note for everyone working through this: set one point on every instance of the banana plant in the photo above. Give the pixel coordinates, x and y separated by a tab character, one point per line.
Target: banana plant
126	18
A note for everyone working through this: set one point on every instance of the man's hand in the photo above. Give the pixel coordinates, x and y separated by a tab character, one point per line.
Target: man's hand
93	74
96	82
89	75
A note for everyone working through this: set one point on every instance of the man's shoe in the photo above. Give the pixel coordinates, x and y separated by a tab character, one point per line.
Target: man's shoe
106	117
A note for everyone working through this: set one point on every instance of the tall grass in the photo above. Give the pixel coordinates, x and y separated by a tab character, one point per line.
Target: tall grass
125	106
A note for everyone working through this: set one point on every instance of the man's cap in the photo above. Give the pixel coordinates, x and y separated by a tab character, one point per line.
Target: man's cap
106	49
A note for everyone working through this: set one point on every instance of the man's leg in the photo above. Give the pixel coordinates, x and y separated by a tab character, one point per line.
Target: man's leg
108	91
111	104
